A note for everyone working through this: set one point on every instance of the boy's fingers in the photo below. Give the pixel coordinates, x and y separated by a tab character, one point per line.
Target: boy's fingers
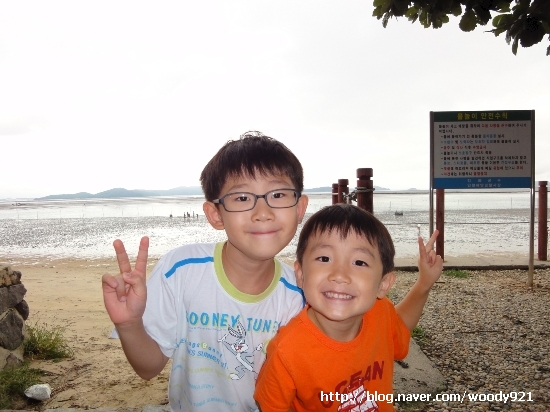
109	280
121	290
431	242
141	261
431	256
421	248
122	257
137	283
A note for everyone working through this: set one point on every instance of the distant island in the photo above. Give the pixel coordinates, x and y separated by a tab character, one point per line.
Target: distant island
177	191
120	192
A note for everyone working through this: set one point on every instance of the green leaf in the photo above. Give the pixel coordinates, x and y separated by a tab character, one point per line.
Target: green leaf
468	22
500	20
425	17
411	12
515	46
385	20
521	7
457	10
378	3
386	4
502	24
428	20
532	34
445	18
503	6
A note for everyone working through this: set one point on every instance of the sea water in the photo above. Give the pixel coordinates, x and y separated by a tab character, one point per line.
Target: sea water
477	222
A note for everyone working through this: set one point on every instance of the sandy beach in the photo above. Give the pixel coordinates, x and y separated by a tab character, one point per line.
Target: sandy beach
67	292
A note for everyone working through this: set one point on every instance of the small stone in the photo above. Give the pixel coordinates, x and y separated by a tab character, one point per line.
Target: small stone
39	392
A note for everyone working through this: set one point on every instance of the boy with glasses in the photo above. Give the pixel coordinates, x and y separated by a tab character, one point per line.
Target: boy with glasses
213	308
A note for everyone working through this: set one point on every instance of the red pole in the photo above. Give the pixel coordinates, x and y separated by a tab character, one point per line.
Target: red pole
364	200
440	221
342	189
334	193
543	219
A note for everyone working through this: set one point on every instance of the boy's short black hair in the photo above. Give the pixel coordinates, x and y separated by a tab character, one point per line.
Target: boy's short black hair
345	219
253	153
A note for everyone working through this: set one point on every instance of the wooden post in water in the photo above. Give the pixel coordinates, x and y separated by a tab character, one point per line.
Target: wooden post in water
364	199
334	193
543	219
440	222
342	189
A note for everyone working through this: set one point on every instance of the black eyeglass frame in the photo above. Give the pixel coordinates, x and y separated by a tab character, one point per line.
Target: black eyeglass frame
297	196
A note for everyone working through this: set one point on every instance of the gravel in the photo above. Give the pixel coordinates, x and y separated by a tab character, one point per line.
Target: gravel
488	334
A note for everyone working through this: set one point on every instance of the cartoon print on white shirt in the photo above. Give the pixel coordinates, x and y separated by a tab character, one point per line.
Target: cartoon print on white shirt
239	348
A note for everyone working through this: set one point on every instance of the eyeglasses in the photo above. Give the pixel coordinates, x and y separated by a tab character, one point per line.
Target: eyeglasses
243	201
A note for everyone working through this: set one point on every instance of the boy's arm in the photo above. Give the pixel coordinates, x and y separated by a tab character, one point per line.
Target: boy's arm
142	352
125	296
430	267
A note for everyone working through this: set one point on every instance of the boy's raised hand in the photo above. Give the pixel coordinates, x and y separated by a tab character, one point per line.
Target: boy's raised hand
430	265
125	294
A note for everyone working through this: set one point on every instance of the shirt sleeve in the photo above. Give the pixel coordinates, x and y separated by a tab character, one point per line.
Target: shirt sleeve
160	316
275	388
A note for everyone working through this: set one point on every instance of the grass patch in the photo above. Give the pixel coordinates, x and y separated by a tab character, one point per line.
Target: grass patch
456	273
47	342
13	382
419	335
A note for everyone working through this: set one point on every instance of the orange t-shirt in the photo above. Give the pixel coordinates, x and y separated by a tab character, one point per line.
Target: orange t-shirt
307	371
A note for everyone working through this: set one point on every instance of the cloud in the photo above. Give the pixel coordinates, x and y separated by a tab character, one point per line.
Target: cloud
17	125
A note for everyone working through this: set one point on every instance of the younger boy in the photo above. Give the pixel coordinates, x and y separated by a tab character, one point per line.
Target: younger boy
340	348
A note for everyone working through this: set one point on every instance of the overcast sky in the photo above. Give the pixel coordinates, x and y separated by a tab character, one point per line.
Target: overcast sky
97	95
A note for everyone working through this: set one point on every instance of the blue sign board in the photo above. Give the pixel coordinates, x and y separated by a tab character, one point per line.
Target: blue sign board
482	149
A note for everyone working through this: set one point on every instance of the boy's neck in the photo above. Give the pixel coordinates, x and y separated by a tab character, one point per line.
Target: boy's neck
341	331
248	275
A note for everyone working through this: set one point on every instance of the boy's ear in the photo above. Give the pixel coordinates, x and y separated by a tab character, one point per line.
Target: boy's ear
302	206
213	215
385	284
299	274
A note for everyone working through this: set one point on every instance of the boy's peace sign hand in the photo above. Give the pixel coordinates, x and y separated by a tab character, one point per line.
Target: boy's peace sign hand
125	294
430	265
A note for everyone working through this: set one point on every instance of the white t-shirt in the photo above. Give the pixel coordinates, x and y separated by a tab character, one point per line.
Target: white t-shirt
215	334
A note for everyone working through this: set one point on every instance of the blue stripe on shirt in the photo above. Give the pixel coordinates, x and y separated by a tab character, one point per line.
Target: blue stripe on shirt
189	261
294	288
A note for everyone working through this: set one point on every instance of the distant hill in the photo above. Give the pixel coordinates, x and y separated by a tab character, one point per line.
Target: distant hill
177	191
120	192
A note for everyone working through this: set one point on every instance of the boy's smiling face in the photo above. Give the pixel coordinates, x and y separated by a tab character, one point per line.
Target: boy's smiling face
341	279
262	232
